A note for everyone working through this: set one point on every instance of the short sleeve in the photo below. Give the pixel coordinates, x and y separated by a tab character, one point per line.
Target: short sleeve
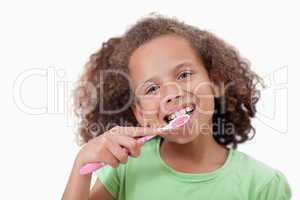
110	178
276	189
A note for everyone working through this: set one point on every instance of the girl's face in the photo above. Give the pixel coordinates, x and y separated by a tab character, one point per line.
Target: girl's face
168	77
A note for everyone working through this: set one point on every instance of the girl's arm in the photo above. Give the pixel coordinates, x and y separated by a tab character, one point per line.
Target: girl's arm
99	192
108	148
78	187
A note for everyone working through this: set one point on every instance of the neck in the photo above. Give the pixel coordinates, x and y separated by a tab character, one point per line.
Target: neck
202	151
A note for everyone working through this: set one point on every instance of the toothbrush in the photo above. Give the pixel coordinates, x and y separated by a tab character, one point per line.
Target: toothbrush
175	123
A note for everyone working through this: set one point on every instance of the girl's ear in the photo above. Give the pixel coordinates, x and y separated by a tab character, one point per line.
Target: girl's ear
137	111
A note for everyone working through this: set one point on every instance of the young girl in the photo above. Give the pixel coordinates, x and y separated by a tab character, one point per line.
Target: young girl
159	69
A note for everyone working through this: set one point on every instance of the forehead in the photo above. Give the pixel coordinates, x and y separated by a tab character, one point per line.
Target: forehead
158	56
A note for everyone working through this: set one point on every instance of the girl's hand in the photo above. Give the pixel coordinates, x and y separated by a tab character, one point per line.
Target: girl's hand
108	147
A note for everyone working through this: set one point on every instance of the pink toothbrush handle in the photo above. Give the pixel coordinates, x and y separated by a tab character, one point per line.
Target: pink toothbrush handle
91	167
177	122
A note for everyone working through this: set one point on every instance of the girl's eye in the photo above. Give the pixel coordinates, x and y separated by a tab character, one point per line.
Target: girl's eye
152	89
184	75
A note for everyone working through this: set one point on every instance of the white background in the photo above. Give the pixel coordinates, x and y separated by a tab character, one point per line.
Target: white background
37	150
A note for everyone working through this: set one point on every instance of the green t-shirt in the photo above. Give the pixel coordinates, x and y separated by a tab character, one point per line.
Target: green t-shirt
148	177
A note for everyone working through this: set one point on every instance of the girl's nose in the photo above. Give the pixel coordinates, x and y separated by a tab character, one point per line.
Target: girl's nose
171	94
169	99
173	97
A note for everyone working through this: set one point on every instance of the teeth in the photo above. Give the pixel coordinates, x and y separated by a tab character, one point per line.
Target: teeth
188	109
171	117
180	112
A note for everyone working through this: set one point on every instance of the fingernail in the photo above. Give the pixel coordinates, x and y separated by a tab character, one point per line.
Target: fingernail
126	151
141	141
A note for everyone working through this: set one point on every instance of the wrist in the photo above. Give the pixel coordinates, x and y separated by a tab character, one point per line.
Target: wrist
80	161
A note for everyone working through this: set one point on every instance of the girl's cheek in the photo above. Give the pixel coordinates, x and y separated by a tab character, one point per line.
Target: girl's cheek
205	98
149	105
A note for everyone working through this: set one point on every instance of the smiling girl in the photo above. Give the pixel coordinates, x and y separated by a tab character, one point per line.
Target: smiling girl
159	69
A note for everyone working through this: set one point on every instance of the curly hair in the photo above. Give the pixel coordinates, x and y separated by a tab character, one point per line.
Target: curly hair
222	61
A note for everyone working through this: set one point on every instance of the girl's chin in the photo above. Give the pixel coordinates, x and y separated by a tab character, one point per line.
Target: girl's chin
180	138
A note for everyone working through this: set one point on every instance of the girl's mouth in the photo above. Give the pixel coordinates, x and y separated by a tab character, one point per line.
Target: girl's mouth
186	109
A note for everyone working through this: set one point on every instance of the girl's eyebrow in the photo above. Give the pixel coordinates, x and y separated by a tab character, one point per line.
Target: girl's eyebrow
176	68
180	65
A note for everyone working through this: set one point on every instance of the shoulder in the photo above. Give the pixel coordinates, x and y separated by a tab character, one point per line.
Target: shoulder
263	179
249	166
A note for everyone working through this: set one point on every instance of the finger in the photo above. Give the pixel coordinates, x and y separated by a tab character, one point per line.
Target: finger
118	152
130	144
140	131
110	159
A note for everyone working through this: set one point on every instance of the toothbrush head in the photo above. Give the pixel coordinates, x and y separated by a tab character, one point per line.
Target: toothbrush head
179	121
176	123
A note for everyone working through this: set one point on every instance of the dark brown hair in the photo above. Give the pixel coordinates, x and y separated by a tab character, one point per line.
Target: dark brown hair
222	61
